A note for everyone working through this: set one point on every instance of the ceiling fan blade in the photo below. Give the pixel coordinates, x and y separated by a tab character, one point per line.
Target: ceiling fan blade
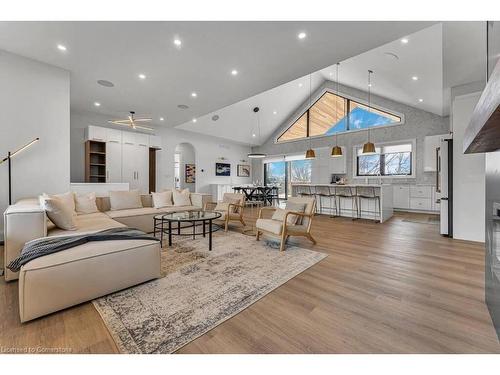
143	119
144	127
120	122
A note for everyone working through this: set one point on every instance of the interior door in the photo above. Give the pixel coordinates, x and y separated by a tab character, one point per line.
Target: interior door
113	162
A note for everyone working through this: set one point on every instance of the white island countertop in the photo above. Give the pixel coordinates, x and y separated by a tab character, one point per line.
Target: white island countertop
369	206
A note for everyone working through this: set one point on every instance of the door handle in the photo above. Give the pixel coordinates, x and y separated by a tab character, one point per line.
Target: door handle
438	169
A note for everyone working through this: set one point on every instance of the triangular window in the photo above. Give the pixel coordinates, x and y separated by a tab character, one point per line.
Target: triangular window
333	114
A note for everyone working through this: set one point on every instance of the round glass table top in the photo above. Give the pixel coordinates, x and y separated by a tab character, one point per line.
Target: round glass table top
189	216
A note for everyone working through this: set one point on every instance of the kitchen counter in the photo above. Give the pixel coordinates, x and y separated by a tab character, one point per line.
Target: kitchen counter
369	208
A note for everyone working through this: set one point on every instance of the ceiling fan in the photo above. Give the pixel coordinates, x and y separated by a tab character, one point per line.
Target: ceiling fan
132	121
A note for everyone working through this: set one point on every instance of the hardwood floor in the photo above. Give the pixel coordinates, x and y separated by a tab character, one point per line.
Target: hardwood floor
397	287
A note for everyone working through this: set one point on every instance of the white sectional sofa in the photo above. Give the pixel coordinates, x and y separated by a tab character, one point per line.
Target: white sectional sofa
56	281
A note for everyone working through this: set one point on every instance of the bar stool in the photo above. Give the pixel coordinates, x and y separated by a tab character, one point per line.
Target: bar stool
307	191
369	193
347	192
325	192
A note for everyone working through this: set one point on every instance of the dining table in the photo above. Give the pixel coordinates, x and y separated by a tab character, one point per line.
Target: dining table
258	193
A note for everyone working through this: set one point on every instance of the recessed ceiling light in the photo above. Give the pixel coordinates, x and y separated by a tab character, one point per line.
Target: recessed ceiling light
194	95
194	120
161	119
331	74
253	135
177	42
415	78
300	84
369	85
404	40
97	104
275	112
234	72
105	83
142	76
60	47
301	35
420	100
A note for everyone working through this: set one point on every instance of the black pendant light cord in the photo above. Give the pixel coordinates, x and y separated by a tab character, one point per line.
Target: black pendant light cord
369	97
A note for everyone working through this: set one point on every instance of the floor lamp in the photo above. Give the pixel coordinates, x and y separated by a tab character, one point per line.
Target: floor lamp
8	158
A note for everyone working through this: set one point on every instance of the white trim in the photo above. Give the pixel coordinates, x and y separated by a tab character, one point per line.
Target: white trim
289	123
413	174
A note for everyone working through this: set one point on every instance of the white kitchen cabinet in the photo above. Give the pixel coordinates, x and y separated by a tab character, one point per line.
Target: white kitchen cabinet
323	166
95	133
401	197
113	161
431	143
155	141
114	135
421	191
127	155
423	204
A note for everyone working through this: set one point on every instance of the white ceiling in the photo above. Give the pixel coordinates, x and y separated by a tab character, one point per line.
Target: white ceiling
266	54
429	55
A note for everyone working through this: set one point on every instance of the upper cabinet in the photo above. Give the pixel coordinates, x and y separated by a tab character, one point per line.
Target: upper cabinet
95	133
155	141
141	139
113	135
431	143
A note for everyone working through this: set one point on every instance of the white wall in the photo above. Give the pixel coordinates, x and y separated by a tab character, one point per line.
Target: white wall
207	150
35	102
187	156
468	176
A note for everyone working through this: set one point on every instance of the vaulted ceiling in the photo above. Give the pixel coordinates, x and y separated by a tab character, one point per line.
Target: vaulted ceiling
265	54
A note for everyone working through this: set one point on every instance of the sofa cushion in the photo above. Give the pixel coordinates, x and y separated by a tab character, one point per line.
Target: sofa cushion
270	225
59	213
181	198
122	200
87	223
162	199
85	203
67	199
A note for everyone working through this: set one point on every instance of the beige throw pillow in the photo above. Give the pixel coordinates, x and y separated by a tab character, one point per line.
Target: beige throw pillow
85	203
162	199
67	199
123	200
59	213
181	198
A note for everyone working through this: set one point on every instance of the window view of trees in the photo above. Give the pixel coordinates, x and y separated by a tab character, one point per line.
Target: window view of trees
392	160
283	173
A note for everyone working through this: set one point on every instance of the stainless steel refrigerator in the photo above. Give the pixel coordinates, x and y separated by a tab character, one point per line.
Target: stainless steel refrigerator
444	184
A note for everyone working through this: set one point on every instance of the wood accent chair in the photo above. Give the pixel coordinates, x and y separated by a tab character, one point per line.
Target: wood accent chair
231	208
282	229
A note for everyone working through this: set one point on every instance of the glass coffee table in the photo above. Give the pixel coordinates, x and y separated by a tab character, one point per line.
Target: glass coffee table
176	223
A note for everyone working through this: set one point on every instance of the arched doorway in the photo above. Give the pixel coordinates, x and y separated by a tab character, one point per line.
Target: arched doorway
185	167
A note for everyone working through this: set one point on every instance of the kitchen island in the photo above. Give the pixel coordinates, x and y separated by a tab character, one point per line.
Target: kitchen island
369	206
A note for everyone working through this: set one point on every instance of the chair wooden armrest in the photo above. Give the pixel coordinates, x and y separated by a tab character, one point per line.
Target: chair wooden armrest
265	209
238	210
210	205
302	214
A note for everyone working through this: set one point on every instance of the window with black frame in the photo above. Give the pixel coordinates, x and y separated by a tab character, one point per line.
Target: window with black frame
389	160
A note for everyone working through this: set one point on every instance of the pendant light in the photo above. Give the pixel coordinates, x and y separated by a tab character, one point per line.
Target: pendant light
337	151
310	154
257	155
369	147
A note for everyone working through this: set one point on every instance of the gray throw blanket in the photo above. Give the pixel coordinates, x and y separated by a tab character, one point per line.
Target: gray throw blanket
49	245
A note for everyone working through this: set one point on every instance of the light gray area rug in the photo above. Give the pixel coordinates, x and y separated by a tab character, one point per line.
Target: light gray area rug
199	290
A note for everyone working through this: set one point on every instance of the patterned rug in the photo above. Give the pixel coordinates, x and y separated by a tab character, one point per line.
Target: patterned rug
199	290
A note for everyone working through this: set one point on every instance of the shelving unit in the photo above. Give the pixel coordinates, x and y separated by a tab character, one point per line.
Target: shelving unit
95	161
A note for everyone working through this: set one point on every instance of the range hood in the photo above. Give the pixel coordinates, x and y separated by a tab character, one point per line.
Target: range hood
483	132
